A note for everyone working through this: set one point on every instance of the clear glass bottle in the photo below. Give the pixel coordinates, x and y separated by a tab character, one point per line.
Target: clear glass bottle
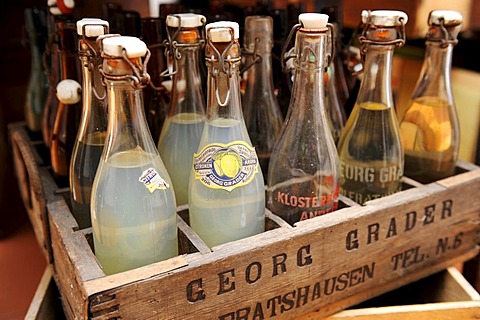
37	91
304	171
262	113
370	150
93	124
67	117
429	127
226	190
333	105
133	202
184	123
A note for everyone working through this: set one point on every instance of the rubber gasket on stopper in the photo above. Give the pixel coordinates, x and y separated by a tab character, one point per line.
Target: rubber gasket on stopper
133	46
449	17
386	18
313	21
187	20
220	31
93	27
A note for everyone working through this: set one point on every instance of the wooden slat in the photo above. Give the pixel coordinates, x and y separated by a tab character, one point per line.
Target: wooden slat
43	306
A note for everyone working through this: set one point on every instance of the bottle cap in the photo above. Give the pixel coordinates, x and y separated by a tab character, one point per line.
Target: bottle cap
313	21
93	27
68	91
220	31
449	17
385	18
134	47
185	20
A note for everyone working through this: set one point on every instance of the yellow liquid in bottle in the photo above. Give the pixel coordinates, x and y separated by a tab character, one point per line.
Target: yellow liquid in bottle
429	140
218	215
371	164
132	226
177	144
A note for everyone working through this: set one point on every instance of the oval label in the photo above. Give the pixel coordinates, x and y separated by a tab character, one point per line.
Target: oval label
226	166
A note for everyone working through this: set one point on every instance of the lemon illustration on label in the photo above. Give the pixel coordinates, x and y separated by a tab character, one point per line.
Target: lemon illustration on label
226	166
231	164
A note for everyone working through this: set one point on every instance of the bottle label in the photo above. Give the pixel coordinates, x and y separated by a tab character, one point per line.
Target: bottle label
226	166
362	183
152	180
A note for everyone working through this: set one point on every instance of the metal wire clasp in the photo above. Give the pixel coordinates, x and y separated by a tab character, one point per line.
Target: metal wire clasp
140	78
290	54
172	47
257	57
226	62
365	42
448	37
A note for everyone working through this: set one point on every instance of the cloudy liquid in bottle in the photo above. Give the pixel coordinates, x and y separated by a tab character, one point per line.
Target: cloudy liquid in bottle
125	206
218	215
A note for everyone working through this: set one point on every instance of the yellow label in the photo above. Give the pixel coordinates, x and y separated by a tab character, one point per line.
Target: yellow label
226	166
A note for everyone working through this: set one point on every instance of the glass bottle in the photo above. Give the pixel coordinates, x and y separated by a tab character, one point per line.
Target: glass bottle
226	190
93	124
52	65
370	150
334	13
37	91
429	127
184	123
133	203
67	117
262	113
333	105
304	171
155	96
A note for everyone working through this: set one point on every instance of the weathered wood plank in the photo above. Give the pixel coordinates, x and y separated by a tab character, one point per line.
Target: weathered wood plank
366	250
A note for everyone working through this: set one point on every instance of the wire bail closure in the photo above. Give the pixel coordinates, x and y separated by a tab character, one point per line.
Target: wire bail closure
257	57
172	47
448	37
365	42
140	78
92	54
226	62
290	54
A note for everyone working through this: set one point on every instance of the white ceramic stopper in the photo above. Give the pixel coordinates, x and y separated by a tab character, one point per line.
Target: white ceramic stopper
449	17
134	47
220	31
386	18
187	20
93	27
68	91
313	21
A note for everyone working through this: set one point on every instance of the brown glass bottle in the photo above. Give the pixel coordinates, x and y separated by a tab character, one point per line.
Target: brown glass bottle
155	97
67	117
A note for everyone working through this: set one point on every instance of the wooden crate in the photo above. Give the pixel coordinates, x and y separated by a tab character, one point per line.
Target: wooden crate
445	295
313	270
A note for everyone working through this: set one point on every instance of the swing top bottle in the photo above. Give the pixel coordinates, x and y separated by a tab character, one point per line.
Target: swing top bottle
429	127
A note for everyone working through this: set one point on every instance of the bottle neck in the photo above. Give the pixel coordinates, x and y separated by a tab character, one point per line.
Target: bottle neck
434	80
308	91
187	95
377	76
260	77
224	100
127	126
93	110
